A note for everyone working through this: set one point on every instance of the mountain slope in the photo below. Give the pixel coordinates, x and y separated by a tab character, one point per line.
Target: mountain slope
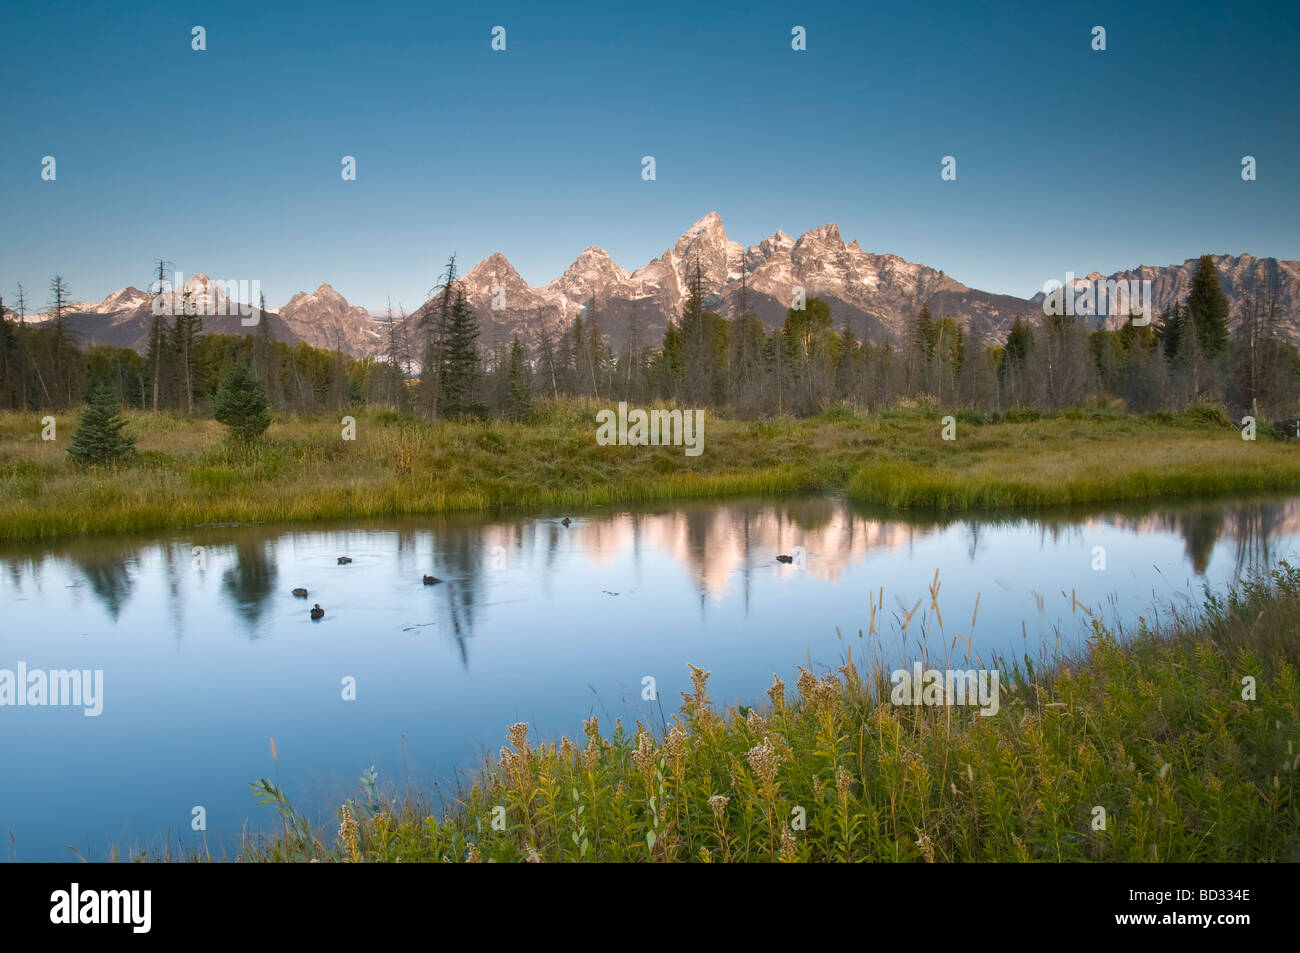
877	295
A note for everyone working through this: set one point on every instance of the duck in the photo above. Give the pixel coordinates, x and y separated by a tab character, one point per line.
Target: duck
300	593
344	560
431	580
783	558
566	521
316	611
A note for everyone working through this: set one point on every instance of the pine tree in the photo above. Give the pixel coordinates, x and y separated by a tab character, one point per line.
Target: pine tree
159	332
186	327
518	392
925	333
1169	329
23	356
65	362
434	326
546	360
240	403
1019	340
262	346
98	437
9	367
460	369
594	356
1207	307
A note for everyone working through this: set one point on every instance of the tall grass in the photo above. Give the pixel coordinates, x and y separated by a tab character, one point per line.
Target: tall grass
186	473
1154	728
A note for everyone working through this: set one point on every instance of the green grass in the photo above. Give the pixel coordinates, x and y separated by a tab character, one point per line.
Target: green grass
186	474
1154	727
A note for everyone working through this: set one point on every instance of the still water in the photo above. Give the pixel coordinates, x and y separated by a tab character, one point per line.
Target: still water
206	655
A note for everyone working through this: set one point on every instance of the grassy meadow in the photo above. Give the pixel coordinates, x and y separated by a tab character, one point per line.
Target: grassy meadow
1140	748
186	473
1153	728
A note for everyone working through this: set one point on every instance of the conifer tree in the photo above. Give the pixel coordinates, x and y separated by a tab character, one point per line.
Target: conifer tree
460	369
434	326
1207	308
240	403
98	437
518	388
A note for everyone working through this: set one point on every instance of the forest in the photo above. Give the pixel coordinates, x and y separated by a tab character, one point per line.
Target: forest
434	365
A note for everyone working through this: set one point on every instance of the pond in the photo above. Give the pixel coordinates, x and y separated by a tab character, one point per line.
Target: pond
206	655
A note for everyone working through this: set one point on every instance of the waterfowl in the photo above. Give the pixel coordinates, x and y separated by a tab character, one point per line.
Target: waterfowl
300	593
566	521
344	560
783	558
317	611
431	580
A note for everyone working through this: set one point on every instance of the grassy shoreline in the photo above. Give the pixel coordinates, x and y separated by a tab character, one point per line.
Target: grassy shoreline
187	475
1152	727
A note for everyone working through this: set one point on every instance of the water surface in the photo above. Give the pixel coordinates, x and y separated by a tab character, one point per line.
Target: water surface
206	655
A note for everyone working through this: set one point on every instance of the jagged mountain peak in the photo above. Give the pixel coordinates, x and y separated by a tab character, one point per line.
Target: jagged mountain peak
125	299
877	295
823	233
708	233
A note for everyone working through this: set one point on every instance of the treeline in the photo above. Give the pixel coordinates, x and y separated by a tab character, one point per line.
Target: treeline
1048	362
436	365
42	368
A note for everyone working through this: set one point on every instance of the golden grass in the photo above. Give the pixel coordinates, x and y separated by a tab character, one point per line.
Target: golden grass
186	473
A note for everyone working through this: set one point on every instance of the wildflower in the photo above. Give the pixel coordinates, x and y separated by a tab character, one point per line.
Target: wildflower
764	761
777	692
697	703
591	754
843	783
807	682
567	750
788	854
757	726
719	804
1021	850
699	678
507	759
474	857
533	856
926	845
591	727
676	745
825	695
644	755
519	736
348	834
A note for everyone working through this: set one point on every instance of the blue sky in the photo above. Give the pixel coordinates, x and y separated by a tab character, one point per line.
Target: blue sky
227	161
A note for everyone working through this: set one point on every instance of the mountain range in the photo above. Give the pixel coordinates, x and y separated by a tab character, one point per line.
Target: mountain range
877	295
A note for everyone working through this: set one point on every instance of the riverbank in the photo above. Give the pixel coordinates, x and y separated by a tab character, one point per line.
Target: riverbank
186	474
1175	745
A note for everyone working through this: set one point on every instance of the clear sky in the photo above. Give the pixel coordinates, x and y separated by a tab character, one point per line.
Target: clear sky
227	161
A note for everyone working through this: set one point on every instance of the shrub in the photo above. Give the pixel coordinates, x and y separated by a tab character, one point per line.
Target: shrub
1207	415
